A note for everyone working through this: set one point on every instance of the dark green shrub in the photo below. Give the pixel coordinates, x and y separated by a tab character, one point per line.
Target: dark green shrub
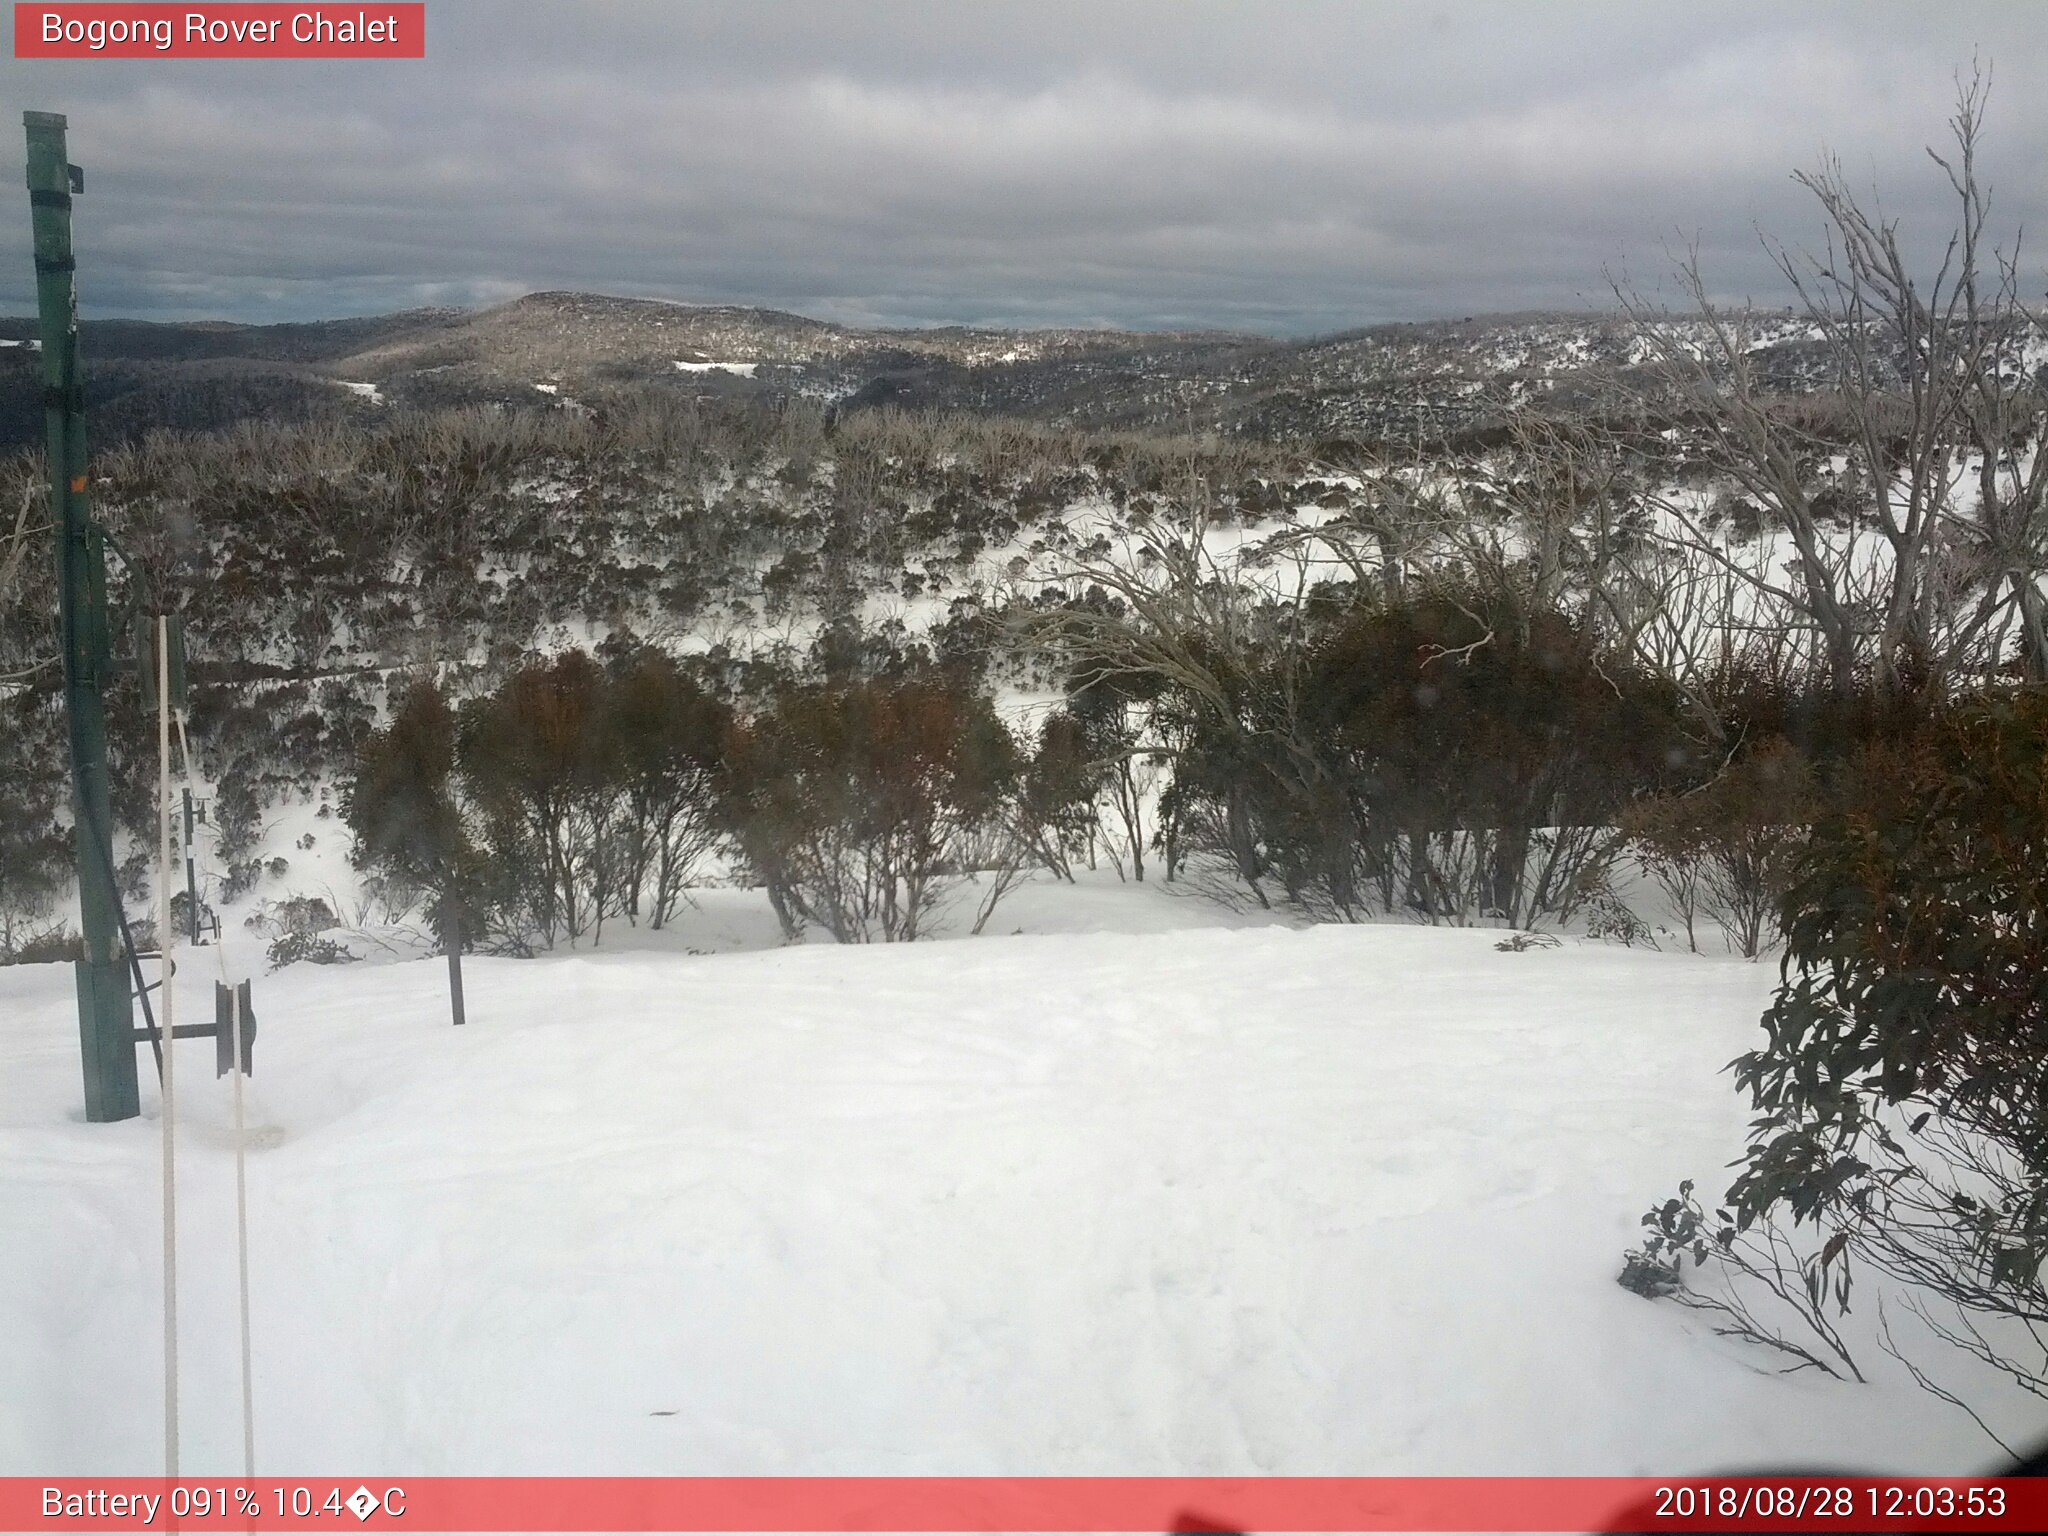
1056	794
36	860
43	945
532	758
664	739
291	947
855	803
1455	753
1726	849
1901	1092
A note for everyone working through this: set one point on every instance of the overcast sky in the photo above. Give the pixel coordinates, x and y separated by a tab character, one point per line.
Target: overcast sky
1282	166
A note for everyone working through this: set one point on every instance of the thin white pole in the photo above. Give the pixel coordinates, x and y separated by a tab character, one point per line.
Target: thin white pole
241	1155
242	1237
165	1011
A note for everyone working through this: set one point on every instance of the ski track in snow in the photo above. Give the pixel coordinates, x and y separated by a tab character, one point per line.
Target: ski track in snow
1199	1200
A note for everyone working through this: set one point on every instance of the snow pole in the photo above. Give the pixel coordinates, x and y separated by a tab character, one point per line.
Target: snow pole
166	999
242	1229
105	1006
234	1030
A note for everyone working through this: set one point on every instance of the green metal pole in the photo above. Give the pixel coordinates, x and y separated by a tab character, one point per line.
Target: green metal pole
105	1007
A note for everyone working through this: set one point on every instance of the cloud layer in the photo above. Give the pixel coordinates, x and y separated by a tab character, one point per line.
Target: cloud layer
1286	168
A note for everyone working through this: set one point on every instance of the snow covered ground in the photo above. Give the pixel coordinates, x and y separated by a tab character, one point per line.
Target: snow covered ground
1147	1187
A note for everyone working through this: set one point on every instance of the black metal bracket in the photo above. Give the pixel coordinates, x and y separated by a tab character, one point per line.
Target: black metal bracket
221	1030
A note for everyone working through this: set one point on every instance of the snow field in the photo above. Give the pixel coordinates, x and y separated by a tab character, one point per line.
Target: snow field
1165	1200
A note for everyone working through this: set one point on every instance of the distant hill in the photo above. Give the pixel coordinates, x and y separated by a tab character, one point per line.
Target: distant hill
559	350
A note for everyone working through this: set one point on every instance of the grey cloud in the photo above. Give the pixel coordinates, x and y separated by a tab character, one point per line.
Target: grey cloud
1284	168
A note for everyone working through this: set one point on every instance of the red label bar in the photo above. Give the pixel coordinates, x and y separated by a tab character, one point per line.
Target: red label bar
370	30
1016	1504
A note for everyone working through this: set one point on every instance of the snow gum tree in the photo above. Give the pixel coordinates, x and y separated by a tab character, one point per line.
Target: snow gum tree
1914	1013
664	738
533	755
409	826
1900	1092
856	802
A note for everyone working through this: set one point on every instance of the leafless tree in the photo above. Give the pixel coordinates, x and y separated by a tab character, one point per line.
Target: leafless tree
1168	611
1914	513
16	540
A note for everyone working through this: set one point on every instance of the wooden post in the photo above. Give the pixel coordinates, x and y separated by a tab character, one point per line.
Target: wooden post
451	940
191	878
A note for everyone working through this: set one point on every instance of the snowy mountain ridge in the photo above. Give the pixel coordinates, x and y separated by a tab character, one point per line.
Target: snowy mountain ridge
146	375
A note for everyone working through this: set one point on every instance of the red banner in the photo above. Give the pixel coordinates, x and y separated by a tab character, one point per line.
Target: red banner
99	31
1015	1504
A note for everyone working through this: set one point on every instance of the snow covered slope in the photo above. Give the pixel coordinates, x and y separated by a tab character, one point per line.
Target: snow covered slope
1217	1200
